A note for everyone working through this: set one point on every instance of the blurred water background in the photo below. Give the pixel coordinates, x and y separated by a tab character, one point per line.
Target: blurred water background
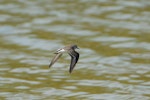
114	41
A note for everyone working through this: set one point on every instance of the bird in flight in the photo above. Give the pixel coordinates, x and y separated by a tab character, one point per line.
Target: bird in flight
70	49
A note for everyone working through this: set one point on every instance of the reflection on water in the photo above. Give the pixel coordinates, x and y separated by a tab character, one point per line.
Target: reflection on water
114	43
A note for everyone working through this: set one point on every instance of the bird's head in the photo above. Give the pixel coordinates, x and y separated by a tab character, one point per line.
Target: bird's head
74	46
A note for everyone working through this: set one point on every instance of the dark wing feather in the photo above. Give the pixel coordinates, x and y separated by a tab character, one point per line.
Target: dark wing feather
74	59
57	56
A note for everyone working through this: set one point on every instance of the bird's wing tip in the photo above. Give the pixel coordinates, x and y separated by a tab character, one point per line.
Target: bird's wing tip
70	71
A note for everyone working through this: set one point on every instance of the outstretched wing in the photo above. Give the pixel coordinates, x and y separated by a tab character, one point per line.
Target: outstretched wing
57	56
74	59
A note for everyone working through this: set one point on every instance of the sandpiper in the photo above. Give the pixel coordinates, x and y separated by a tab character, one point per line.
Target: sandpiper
70	49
